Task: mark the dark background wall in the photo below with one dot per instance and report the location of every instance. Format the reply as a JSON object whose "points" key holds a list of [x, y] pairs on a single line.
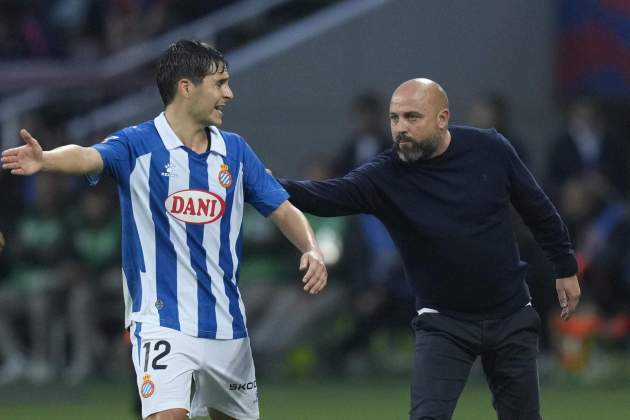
{"points": [[295, 104]]}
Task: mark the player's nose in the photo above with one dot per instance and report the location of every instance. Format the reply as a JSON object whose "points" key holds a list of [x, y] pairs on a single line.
{"points": [[228, 93]]}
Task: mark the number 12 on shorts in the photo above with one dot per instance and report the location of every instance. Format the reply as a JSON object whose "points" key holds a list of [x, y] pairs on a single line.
{"points": [[160, 350]]}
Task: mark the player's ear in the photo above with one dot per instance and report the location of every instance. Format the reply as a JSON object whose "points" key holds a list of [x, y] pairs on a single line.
{"points": [[184, 87]]}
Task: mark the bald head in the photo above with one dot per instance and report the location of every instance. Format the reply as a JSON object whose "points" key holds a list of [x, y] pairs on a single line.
{"points": [[419, 114], [425, 90]]}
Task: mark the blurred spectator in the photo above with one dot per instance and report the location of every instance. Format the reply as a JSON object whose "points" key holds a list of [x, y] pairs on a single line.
{"points": [[130, 21], [89, 29], [23, 30], [491, 110], [40, 255], [588, 145], [600, 224], [368, 138], [95, 239], [286, 316]]}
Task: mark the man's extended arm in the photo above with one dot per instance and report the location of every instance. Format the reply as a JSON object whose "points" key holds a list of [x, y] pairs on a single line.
{"points": [[296, 228], [70, 159], [351, 194]]}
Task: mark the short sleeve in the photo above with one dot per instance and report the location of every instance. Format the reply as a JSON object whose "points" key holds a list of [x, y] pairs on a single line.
{"points": [[115, 152], [261, 190]]}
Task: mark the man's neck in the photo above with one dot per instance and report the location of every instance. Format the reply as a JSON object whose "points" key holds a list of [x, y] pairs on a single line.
{"points": [[190, 133], [446, 141]]}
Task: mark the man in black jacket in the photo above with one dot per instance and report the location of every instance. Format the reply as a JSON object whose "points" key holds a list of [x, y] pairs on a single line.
{"points": [[444, 194]]}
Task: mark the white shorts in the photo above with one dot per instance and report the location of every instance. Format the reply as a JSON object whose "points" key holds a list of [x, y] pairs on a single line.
{"points": [[175, 370]]}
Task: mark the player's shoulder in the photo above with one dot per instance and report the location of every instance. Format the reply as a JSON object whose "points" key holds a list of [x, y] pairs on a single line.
{"points": [[140, 131], [133, 134], [232, 139], [235, 144]]}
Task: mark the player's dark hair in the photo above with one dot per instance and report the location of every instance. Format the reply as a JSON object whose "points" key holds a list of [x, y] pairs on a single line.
{"points": [[186, 59]]}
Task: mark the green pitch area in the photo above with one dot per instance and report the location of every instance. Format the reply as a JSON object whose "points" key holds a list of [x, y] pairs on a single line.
{"points": [[330, 400]]}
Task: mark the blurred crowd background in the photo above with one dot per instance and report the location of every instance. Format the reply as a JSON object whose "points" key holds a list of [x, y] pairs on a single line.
{"points": [[552, 76]]}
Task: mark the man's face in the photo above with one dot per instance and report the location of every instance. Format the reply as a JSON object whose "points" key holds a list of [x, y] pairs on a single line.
{"points": [[415, 126], [210, 97]]}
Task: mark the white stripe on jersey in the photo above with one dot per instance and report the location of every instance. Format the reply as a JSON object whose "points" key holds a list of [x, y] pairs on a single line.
{"points": [[127, 299], [186, 289], [235, 229], [212, 245], [140, 202]]}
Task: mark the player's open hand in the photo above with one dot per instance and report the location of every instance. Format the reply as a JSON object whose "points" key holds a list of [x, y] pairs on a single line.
{"points": [[24, 160], [316, 275], [568, 289]]}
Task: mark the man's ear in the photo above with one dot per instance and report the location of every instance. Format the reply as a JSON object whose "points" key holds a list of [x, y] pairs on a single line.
{"points": [[443, 118]]}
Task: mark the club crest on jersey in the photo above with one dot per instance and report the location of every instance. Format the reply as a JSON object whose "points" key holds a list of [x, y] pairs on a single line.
{"points": [[195, 206], [148, 387], [225, 176], [168, 170]]}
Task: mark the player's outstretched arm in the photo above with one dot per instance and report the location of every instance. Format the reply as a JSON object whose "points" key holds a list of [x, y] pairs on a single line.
{"points": [[30, 158], [296, 228]]}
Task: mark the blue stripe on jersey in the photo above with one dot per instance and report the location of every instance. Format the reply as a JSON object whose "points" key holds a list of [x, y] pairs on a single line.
{"points": [[133, 257], [227, 265], [165, 257], [206, 302], [139, 342]]}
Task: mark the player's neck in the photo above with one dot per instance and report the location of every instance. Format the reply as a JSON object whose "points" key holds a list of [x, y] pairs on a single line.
{"points": [[190, 133]]}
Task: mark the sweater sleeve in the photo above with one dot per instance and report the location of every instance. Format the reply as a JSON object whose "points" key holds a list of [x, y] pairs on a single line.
{"points": [[539, 214], [351, 194]]}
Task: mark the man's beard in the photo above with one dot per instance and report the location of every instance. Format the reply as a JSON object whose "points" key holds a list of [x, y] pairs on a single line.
{"points": [[414, 150]]}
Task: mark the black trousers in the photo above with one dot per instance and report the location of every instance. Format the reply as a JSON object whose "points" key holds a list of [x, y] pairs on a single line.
{"points": [[446, 349]]}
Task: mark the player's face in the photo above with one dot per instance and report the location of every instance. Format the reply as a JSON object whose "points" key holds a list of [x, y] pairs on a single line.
{"points": [[415, 125], [210, 97]]}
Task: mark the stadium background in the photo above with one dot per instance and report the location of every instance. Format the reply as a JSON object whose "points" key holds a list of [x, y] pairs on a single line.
{"points": [[304, 73]]}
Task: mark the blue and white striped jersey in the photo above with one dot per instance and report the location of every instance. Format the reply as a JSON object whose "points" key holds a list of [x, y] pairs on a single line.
{"points": [[181, 225]]}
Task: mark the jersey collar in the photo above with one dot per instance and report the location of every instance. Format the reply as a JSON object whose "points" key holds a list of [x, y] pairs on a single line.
{"points": [[171, 141]]}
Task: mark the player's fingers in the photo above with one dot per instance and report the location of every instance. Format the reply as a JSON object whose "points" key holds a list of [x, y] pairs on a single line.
{"points": [[9, 159], [17, 171], [28, 139], [13, 165], [314, 280], [321, 283], [318, 281], [310, 276], [303, 262], [10, 152]]}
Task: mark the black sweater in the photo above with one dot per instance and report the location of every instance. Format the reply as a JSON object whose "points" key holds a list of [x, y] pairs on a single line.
{"points": [[450, 219]]}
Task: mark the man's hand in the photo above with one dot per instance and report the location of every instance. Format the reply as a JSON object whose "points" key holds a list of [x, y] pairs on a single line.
{"points": [[2, 243], [24, 160], [568, 289], [316, 275]]}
